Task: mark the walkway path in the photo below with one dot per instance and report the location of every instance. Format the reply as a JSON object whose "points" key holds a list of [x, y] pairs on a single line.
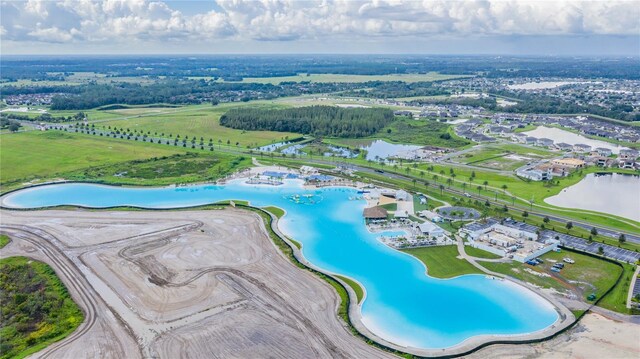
{"points": [[634, 283], [474, 260], [615, 316], [566, 316]]}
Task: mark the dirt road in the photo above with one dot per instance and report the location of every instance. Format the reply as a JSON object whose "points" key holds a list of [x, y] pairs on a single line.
{"points": [[197, 284]]}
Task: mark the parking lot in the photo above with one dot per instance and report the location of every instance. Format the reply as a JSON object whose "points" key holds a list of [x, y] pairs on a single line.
{"points": [[619, 254]]}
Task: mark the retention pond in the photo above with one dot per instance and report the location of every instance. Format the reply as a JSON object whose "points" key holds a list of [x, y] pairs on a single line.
{"points": [[612, 193]]}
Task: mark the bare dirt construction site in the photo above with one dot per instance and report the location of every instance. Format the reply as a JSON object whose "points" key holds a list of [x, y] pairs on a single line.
{"points": [[211, 284], [183, 284], [595, 336]]}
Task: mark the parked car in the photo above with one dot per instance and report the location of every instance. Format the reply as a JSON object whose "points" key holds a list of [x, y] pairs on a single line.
{"points": [[555, 269], [568, 260], [559, 265], [532, 263]]}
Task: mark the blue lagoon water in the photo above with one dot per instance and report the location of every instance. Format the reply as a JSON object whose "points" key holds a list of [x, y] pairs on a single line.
{"points": [[403, 304]]}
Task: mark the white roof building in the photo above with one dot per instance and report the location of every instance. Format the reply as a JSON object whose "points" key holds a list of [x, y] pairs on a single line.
{"points": [[401, 214], [428, 228], [402, 195], [308, 170]]}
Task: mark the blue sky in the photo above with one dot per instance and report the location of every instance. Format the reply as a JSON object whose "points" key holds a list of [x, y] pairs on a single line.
{"points": [[565, 27]]}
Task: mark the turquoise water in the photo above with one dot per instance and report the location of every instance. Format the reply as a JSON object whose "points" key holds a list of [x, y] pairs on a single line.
{"points": [[403, 305]]}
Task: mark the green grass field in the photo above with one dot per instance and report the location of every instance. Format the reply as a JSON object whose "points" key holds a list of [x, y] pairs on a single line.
{"points": [[37, 309], [200, 121], [600, 274], [517, 270], [442, 261], [479, 253], [588, 274], [478, 156], [189, 167], [416, 132], [39, 155], [79, 78]]}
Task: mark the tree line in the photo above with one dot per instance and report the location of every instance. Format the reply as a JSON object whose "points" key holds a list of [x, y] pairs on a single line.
{"points": [[182, 92], [395, 89], [315, 120], [45, 117], [533, 103]]}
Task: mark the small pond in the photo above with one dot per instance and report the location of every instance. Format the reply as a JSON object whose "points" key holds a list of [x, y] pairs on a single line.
{"points": [[381, 150], [607, 193], [559, 135]]}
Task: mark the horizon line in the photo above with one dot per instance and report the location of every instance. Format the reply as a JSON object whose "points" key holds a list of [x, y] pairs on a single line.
{"points": [[326, 54]]}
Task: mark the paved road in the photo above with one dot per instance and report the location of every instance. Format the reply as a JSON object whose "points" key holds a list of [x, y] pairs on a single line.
{"points": [[517, 208], [604, 231], [69, 274]]}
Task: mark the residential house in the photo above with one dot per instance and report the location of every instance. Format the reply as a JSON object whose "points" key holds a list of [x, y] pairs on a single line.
{"points": [[544, 142], [535, 174], [602, 151], [581, 147], [519, 137], [562, 146], [482, 138], [628, 154], [569, 162]]}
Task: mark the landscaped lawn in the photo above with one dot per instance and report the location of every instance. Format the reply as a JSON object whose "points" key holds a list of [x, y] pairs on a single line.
{"points": [[276, 211], [479, 154], [355, 286], [479, 253], [617, 299], [391, 207], [442, 261]]}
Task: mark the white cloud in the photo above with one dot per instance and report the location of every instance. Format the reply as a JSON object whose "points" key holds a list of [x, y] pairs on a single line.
{"points": [[53, 34], [273, 20]]}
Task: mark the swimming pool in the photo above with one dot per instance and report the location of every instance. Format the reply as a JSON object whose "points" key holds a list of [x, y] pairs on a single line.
{"points": [[402, 305]]}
